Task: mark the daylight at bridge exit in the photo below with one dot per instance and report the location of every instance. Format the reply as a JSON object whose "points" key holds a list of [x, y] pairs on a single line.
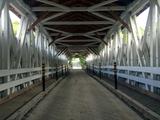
{"points": [[79, 59]]}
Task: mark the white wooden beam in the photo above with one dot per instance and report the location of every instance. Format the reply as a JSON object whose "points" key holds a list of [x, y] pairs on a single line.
{"points": [[2, 2], [90, 33], [101, 29], [93, 43], [59, 39], [52, 17], [79, 40], [92, 37], [53, 4], [55, 30], [78, 23], [101, 4], [79, 9], [103, 16], [109, 8]]}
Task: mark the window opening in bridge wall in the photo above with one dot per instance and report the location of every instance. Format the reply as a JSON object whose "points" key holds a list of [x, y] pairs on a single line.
{"points": [[89, 58], [125, 35], [15, 20], [142, 21], [2, 20]]}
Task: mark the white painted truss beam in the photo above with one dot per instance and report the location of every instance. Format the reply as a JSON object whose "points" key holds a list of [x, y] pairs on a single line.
{"points": [[79, 9], [101, 4], [52, 17], [97, 30], [2, 2], [103, 17], [92, 33], [56, 30], [53, 3], [78, 23], [79, 40]]}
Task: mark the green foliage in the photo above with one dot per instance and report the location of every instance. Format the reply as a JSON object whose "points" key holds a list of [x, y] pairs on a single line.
{"points": [[70, 61], [141, 31], [15, 25], [81, 58], [125, 36]]}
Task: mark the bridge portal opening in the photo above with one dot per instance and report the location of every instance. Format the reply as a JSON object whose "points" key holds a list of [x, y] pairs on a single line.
{"points": [[76, 63]]}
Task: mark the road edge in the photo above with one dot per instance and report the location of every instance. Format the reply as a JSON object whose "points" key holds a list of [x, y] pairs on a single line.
{"points": [[21, 112], [143, 111]]}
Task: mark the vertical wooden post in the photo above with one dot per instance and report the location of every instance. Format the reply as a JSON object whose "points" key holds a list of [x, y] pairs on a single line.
{"points": [[115, 75], [66, 70], [92, 68], [43, 76], [56, 72], [62, 69], [100, 74]]}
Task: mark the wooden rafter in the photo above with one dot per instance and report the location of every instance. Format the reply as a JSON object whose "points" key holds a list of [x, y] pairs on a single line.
{"points": [[67, 20], [120, 20], [38, 20]]}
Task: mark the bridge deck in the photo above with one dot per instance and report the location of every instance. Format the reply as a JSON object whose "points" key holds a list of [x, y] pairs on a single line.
{"points": [[79, 97], [14, 104], [146, 100]]}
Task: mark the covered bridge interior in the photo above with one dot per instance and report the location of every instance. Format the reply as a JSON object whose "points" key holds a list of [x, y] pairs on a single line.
{"points": [[116, 41]]}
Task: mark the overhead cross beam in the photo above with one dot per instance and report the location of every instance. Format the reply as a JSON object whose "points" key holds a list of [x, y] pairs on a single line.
{"points": [[116, 17], [38, 21], [93, 35], [60, 52], [77, 46], [79, 40], [88, 34], [103, 16], [78, 23], [56, 30], [97, 30], [61, 38], [120, 20], [64, 51], [53, 16], [93, 43], [98, 39], [101, 39], [101, 4], [53, 4], [91, 51], [80, 34], [79, 9], [45, 18], [95, 50]]}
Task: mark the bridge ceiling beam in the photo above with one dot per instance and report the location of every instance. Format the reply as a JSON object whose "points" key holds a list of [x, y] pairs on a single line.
{"points": [[56, 30], [97, 30], [79, 9], [91, 51], [80, 40], [99, 33], [101, 4], [103, 16], [78, 23], [53, 4], [92, 19]]}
